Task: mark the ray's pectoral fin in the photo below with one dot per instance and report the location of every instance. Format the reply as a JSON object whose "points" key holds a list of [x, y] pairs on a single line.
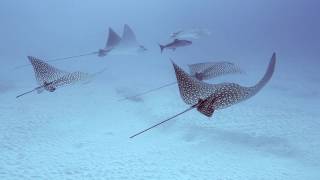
{"points": [[206, 107]]}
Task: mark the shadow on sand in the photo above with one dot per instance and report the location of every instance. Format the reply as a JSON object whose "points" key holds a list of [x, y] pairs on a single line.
{"points": [[273, 145]]}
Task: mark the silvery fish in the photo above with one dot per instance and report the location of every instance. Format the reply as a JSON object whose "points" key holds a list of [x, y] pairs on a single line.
{"points": [[175, 44]]}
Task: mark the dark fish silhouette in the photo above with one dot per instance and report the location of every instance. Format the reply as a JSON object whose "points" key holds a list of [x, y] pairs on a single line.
{"points": [[50, 78], [207, 98], [201, 71], [175, 44]]}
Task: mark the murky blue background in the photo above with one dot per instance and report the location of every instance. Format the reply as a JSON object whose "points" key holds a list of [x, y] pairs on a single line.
{"points": [[81, 132]]}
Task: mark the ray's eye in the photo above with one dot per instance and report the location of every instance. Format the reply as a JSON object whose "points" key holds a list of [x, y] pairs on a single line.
{"points": [[51, 89], [199, 76]]}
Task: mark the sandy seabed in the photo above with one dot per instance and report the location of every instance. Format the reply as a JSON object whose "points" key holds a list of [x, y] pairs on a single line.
{"points": [[82, 132]]}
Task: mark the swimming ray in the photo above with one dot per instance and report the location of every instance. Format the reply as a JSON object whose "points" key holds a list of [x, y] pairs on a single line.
{"points": [[201, 71], [50, 78], [112, 41], [207, 98]]}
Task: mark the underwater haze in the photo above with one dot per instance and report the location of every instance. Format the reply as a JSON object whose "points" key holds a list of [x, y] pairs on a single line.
{"points": [[82, 109]]}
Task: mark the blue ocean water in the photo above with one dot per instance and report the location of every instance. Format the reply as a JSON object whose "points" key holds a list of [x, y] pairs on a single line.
{"points": [[81, 131]]}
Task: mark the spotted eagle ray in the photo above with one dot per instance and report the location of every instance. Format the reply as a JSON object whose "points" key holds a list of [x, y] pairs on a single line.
{"points": [[50, 78], [112, 41], [200, 71], [207, 98]]}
